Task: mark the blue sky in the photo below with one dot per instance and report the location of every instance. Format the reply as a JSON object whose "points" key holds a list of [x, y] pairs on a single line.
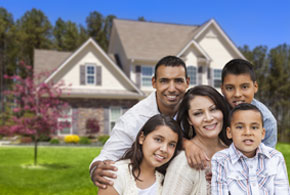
{"points": [[251, 22]]}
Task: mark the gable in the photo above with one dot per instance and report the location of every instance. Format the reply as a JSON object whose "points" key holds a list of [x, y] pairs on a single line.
{"points": [[113, 80], [217, 44]]}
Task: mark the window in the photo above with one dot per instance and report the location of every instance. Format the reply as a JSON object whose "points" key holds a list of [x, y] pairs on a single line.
{"points": [[191, 71], [66, 122], [217, 78], [115, 113], [147, 73], [90, 74]]}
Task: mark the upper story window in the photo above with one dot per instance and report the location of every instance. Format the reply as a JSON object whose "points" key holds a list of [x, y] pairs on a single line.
{"points": [[192, 74], [146, 75], [90, 74], [217, 78]]}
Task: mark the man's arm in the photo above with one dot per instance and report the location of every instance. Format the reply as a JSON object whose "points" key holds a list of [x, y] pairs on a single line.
{"points": [[195, 156], [122, 137]]}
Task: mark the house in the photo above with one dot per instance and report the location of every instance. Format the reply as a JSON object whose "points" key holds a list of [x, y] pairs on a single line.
{"points": [[104, 85]]}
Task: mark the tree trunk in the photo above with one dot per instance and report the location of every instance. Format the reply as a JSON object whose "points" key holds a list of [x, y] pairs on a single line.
{"points": [[35, 151]]}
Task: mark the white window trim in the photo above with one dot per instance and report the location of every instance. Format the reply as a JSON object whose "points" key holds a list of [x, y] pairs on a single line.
{"points": [[69, 119], [215, 78], [196, 74], [121, 110], [90, 74], [143, 76]]}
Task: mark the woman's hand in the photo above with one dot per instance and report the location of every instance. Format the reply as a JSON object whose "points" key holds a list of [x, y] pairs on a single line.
{"points": [[196, 157]]}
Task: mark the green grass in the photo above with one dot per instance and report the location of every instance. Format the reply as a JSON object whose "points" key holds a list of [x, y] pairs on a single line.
{"points": [[285, 149], [62, 170]]}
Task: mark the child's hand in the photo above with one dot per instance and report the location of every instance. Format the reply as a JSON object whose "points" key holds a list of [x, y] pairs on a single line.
{"points": [[196, 157]]}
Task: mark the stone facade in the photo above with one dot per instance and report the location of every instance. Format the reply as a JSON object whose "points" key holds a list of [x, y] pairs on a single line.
{"points": [[84, 109]]}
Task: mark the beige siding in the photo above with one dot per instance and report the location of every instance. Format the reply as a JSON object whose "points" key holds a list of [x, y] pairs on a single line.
{"points": [[70, 74]]}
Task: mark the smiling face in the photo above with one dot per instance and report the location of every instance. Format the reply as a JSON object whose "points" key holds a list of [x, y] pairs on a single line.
{"points": [[170, 84], [158, 146], [246, 131], [204, 116], [239, 89]]}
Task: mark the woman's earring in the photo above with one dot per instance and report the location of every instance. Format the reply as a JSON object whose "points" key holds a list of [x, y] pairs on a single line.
{"points": [[190, 133]]}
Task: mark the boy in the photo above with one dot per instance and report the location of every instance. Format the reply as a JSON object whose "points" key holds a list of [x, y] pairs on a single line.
{"points": [[248, 166], [239, 85]]}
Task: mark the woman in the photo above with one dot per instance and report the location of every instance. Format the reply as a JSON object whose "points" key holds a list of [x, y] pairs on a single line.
{"points": [[203, 116], [140, 169]]}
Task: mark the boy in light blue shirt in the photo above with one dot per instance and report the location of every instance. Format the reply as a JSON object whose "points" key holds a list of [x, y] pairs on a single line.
{"points": [[239, 85]]}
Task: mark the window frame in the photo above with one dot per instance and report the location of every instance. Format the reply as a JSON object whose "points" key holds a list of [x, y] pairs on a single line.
{"points": [[217, 78], [87, 74], [188, 72], [68, 118], [146, 76], [110, 116]]}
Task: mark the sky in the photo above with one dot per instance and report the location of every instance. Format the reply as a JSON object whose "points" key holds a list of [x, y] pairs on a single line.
{"points": [[246, 22]]}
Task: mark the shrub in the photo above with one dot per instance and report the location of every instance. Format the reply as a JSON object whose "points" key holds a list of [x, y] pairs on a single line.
{"points": [[92, 126], [72, 139], [44, 138], [85, 140], [54, 141], [103, 138]]}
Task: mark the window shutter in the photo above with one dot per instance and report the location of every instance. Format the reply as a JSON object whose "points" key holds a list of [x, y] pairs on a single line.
{"points": [[98, 75], [106, 121], [82, 75], [138, 75]]}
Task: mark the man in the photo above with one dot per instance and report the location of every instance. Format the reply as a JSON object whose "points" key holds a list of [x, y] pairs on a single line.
{"points": [[170, 81]]}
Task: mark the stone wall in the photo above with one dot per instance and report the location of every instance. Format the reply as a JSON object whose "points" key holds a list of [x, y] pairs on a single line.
{"points": [[84, 109]]}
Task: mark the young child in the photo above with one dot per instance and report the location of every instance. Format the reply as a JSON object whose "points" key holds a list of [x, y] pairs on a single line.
{"points": [[239, 85], [248, 166], [140, 169]]}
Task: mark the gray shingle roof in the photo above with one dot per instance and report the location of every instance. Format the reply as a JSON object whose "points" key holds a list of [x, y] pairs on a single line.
{"points": [[48, 60], [152, 41]]}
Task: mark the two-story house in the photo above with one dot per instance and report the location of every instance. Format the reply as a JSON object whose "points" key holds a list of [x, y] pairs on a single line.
{"points": [[104, 85]]}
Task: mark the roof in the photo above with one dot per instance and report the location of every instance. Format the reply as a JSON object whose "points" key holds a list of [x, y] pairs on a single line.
{"points": [[152, 41], [54, 61], [48, 60]]}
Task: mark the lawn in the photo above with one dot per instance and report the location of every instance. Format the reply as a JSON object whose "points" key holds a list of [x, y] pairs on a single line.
{"points": [[63, 170]]}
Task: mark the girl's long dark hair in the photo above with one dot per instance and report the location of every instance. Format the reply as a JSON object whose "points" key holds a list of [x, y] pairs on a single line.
{"points": [[135, 153], [218, 100]]}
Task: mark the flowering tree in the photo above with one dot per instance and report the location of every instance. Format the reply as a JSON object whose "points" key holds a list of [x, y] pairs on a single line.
{"points": [[36, 106]]}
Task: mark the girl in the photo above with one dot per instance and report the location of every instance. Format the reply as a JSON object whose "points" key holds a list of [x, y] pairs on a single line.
{"points": [[141, 169]]}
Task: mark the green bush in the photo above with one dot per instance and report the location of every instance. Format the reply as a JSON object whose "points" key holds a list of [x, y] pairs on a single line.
{"points": [[54, 141], [85, 140], [103, 138], [44, 138]]}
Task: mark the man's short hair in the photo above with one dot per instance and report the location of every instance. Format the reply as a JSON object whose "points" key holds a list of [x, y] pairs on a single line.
{"points": [[170, 61], [238, 67], [244, 106]]}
